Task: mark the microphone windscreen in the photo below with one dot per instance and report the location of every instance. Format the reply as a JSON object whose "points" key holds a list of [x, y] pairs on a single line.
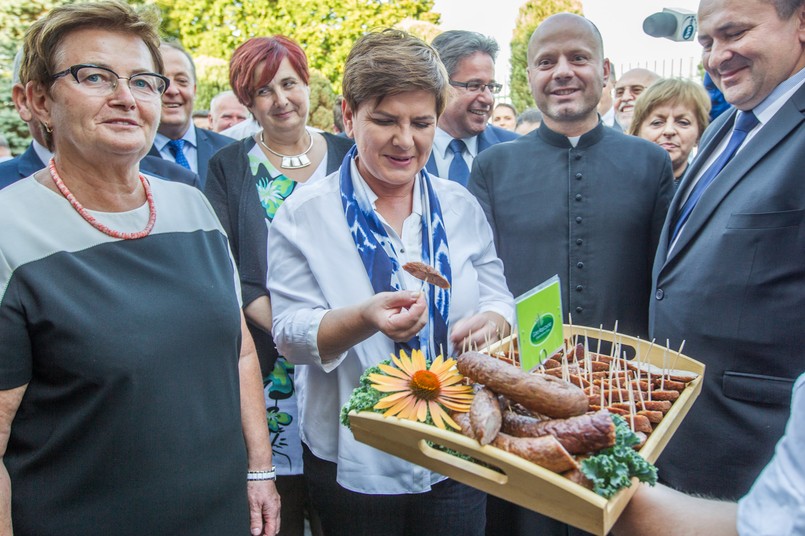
{"points": [[660, 25]]}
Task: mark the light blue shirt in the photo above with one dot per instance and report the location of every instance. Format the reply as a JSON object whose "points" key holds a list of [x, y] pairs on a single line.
{"points": [[190, 148]]}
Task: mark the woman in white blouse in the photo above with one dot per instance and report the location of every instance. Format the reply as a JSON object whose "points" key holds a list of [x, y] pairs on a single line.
{"points": [[343, 304]]}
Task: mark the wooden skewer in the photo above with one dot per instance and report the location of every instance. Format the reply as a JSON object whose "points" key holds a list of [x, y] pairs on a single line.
{"points": [[600, 336], [617, 364], [640, 391], [570, 327], [631, 405], [681, 347], [664, 364], [587, 361], [648, 374], [601, 390]]}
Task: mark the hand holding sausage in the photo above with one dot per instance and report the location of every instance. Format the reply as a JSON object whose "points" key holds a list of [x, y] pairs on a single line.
{"points": [[398, 315]]}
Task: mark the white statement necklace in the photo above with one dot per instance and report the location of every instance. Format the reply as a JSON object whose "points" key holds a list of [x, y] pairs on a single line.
{"points": [[290, 162]]}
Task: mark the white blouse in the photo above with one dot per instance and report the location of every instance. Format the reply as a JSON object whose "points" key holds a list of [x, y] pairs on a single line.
{"points": [[315, 267]]}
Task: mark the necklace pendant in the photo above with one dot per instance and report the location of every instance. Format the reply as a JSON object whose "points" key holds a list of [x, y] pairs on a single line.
{"points": [[295, 162]]}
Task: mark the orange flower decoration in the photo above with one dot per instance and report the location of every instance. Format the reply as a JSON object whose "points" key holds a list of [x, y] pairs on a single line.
{"points": [[418, 390]]}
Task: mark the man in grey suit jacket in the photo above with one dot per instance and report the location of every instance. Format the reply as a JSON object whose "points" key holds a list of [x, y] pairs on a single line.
{"points": [[730, 279], [469, 58], [178, 139]]}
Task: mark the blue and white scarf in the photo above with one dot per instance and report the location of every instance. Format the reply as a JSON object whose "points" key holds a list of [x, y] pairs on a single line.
{"points": [[381, 262]]}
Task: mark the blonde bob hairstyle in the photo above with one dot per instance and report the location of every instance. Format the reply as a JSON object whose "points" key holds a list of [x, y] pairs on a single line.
{"points": [[390, 62], [672, 91]]}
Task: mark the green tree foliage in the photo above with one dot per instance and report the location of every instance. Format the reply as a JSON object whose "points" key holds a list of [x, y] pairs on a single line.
{"points": [[11, 126], [322, 100], [213, 78], [531, 14], [326, 29], [15, 18], [212, 29]]}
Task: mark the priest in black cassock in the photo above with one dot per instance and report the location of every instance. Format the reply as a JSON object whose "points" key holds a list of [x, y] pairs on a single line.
{"points": [[574, 198]]}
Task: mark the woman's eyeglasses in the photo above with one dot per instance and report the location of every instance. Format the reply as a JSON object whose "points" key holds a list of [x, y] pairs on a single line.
{"points": [[103, 82]]}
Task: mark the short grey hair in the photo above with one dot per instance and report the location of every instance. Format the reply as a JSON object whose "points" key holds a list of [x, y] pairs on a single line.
{"points": [[216, 99], [455, 45]]}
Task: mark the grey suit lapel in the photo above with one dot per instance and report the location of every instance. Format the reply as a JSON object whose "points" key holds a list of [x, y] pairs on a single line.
{"points": [[772, 134], [707, 146]]}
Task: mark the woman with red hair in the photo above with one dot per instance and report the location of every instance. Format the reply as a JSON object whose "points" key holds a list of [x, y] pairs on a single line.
{"points": [[247, 182]]}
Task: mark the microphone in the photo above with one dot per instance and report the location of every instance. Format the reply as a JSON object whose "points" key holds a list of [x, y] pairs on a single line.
{"points": [[675, 24]]}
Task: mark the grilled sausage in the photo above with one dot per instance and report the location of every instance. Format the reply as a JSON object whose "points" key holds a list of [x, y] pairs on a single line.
{"points": [[545, 395], [585, 433]]}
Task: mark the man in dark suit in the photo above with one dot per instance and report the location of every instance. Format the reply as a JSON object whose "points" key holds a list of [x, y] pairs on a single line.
{"points": [[30, 162], [463, 131], [574, 198], [729, 276], [178, 139], [37, 154]]}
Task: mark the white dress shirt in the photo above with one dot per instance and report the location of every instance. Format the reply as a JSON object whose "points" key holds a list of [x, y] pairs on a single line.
{"points": [[315, 267]]}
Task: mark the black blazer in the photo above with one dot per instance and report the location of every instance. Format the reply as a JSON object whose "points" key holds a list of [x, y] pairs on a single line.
{"points": [[733, 288]]}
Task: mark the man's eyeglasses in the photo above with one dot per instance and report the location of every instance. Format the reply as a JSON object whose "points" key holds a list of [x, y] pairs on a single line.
{"points": [[102, 81], [493, 87]]}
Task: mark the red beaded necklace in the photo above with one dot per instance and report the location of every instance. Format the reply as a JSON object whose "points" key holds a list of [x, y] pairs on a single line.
{"points": [[152, 211]]}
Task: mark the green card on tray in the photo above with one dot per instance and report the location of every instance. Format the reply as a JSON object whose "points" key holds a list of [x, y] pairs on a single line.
{"points": [[539, 323]]}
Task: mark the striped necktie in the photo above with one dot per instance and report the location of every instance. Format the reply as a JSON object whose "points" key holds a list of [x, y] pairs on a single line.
{"points": [[745, 122], [176, 148]]}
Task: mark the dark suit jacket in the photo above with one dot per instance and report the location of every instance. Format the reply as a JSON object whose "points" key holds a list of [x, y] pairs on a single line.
{"points": [[733, 288], [29, 163], [208, 143], [490, 136]]}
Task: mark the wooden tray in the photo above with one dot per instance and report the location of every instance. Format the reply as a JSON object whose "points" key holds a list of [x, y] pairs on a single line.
{"points": [[518, 480]]}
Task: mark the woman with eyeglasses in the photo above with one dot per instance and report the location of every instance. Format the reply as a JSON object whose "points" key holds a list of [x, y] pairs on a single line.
{"points": [[130, 393], [342, 302]]}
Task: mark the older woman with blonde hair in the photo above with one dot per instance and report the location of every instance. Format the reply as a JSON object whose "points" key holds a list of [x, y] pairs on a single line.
{"points": [[342, 302], [672, 113], [130, 393]]}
